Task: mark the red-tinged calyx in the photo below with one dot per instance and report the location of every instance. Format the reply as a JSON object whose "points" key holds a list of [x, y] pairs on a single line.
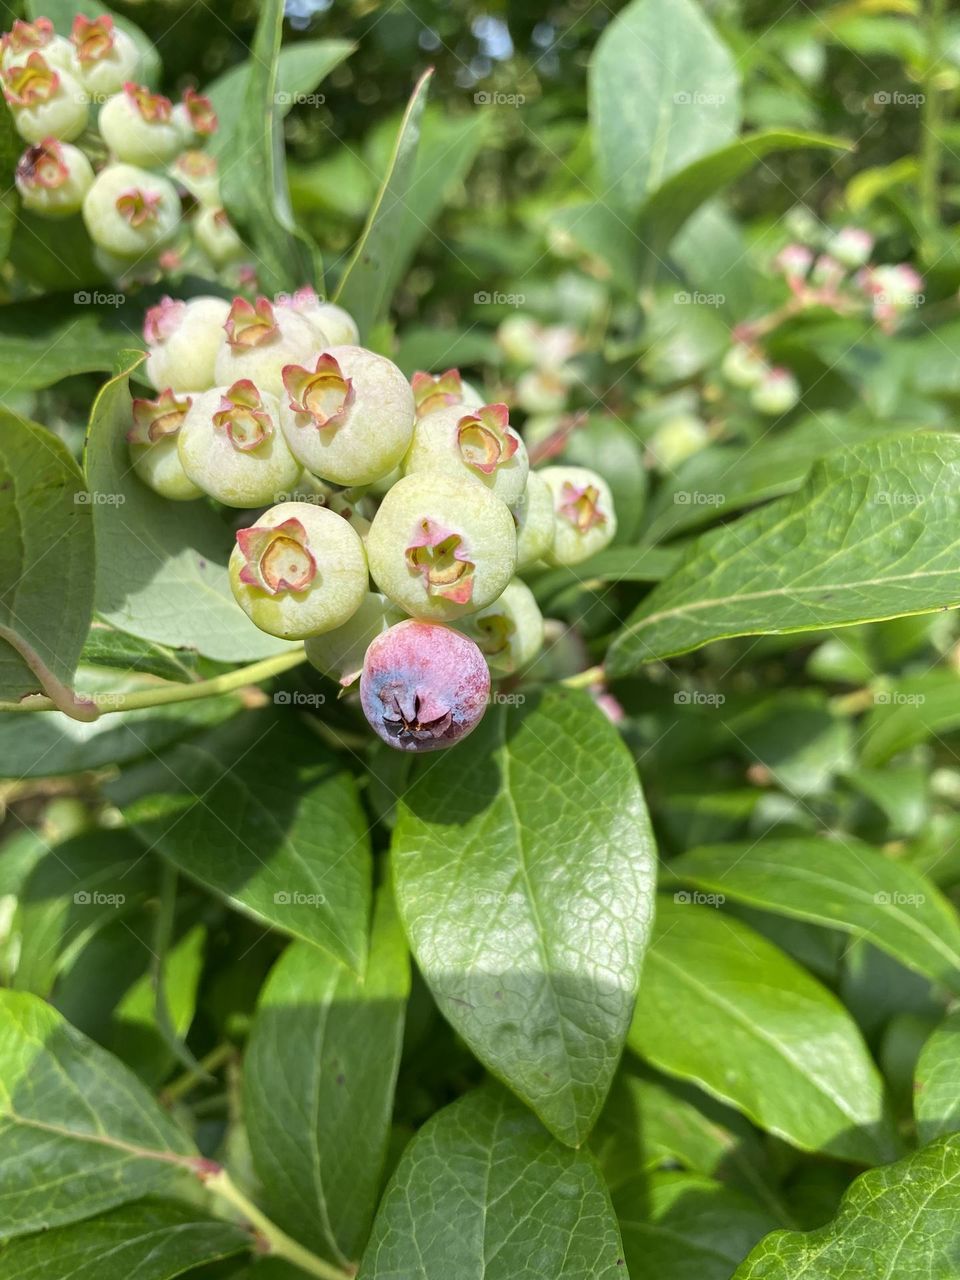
{"points": [[436, 392], [42, 165], [203, 118], [162, 320], [154, 108], [139, 207], [250, 324], [485, 438], [277, 559], [25, 37], [92, 38], [323, 395], [581, 507], [158, 419], [34, 81], [438, 554], [196, 164], [242, 416]]}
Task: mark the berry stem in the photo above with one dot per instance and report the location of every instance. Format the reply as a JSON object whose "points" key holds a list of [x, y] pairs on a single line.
{"points": [[583, 679], [168, 692]]}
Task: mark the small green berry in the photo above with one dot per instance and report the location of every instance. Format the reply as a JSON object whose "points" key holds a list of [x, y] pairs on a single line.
{"points": [[153, 446], [852, 246], [334, 326], [535, 521], [743, 366], [347, 415], [543, 390], [777, 393], [106, 57], [46, 102], [139, 128], [586, 521], [509, 632], [52, 178], [441, 546], [259, 341], [439, 391], [479, 443], [519, 338], [183, 338], [25, 38], [230, 445], [217, 236], [197, 173], [130, 212], [195, 117], [677, 439], [300, 571], [339, 653]]}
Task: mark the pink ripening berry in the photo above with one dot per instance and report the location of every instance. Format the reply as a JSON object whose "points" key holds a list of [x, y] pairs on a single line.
{"points": [[423, 686]]}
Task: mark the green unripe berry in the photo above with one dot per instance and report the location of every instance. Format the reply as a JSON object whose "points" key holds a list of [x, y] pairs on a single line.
{"points": [[519, 337], [334, 326], [153, 446], [197, 173], [676, 440], [586, 521], [347, 414], [230, 445], [299, 572], [194, 117], [743, 366], [443, 390], [259, 340], [46, 102], [52, 178], [217, 236], [479, 443], [106, 57], [852, 246], [441, 547], [509, 632], [139, 128], [777, 393], [339, 654], [130, 212], [535, 521], [183, 338], [543, 390], [25, 38]]}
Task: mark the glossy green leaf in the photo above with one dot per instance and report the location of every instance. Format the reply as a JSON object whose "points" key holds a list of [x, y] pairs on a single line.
{"points": [[162, 571], [483, 1192], [319, 1076], [616, 564], [78, 1132], [936, 1098], [524, 871], [909, 711], [368, 281], [872, 534], [722, 1006], [149, 1240], [899, 1222], [46, 562], [845, 885], [663, 91], [261, 814], [685, 1226]]}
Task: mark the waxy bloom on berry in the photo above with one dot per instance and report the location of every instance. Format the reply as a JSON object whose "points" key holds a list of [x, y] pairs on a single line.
{"points": [[231, 446], [585, 518], [153, 445], [46, 102], [53, 177], [183, 338], [535, 520], [258, 341], [334, 327], [300, 571], [509, 632], [479, 443], [129, 212], [423, 686], [441, 546], [139, 128], [347, 415], [339, 653], [441, 390], [107, 58]]}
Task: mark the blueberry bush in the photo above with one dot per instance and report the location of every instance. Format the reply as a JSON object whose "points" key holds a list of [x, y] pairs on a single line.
{"points": [[479, 660]]}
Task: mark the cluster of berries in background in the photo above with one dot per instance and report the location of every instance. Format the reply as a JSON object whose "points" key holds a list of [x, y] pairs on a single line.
{"points": [[100, 143], [398, 513]]}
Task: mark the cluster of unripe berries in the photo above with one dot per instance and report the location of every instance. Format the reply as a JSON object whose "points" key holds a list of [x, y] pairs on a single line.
{"points": [[418, 486], [102, 144]]}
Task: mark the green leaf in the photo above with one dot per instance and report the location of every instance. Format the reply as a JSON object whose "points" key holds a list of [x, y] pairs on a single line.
{"points": [[685, 1226], [484, 1191], [151, 1240], [663, 91], [78, 1132], [524, 871], [46, 339], [722, 1006], [936, 1098], [872, 534], [162, 566], [371, 274], [46, 562], [616, 564], [253, 173], [899, 1221], [909, 711], [263, 815], [319, 1076], [847, 886]]}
